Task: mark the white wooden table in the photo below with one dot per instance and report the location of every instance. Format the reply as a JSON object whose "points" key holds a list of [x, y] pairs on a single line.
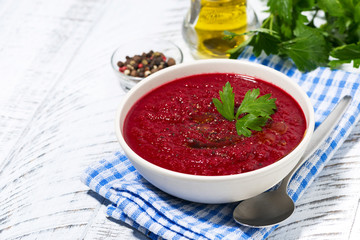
{"points": [[58, 97]]}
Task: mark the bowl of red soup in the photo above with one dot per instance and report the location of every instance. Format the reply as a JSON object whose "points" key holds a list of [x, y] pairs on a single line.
{"points": [[215, 131]]}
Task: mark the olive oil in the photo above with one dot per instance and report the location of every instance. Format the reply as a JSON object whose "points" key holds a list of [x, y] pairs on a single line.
{"points": [[206, 22]]}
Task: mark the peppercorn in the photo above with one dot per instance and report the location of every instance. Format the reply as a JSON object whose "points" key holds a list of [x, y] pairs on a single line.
{"points": [[133, 73], [145, 64], [127, 72], [147, 73], [123, 68], [171, 61]]}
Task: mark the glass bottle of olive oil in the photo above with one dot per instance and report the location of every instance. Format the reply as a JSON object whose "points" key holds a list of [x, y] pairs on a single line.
{"points": [[205, 23]]}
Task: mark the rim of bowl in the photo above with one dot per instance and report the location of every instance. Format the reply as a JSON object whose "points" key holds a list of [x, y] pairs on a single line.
{"points": [[133, 156], [113, 61]]}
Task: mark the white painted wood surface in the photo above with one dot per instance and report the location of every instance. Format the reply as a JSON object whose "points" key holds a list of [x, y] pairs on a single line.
{"points": [[58, 97]]}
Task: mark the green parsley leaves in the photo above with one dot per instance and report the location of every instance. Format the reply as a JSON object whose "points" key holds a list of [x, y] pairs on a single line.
{"points": [[254, 111], [226, 108], [293, 30]]}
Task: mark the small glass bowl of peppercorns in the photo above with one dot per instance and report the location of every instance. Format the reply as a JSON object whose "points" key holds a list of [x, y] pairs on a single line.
{"points": [[135, 60]]}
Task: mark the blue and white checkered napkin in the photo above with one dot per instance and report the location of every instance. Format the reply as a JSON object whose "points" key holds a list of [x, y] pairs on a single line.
{"points": [[159, 215]]}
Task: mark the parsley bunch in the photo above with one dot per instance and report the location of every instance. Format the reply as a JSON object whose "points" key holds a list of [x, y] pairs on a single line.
{"points": [[255, 111], [290, 31]]}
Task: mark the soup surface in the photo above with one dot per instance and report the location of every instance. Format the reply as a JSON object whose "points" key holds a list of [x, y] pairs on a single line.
{"points": [[177, 127]]}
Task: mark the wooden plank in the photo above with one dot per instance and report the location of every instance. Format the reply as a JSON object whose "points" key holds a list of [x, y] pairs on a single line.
{"points": [[39, 41]]}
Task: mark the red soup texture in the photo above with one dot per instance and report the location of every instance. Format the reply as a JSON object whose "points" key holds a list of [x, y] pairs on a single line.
{"points": [[176, 126]]}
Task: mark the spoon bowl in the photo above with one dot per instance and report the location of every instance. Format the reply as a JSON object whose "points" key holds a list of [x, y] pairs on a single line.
{"points": [[272, 207], [266, 209]]}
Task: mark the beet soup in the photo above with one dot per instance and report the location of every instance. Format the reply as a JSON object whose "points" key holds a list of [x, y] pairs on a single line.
{"points": [[176, 126]]}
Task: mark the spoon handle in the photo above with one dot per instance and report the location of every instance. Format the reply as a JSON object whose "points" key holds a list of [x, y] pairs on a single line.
{"points": [[321, 133]]}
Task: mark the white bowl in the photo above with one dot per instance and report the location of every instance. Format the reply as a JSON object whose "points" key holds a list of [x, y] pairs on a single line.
{"points": [[216, 189]]}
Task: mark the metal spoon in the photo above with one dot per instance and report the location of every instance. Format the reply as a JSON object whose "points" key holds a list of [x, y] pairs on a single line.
{"points": [[273, 207]]}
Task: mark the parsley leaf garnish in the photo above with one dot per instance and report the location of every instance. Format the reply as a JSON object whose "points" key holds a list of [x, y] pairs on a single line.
{"points": [[226, 108], [250, 121], [262, 106], [254, 110]]}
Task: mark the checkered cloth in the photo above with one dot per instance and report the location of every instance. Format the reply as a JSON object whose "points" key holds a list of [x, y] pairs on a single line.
{"points": [[160, 216]]}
